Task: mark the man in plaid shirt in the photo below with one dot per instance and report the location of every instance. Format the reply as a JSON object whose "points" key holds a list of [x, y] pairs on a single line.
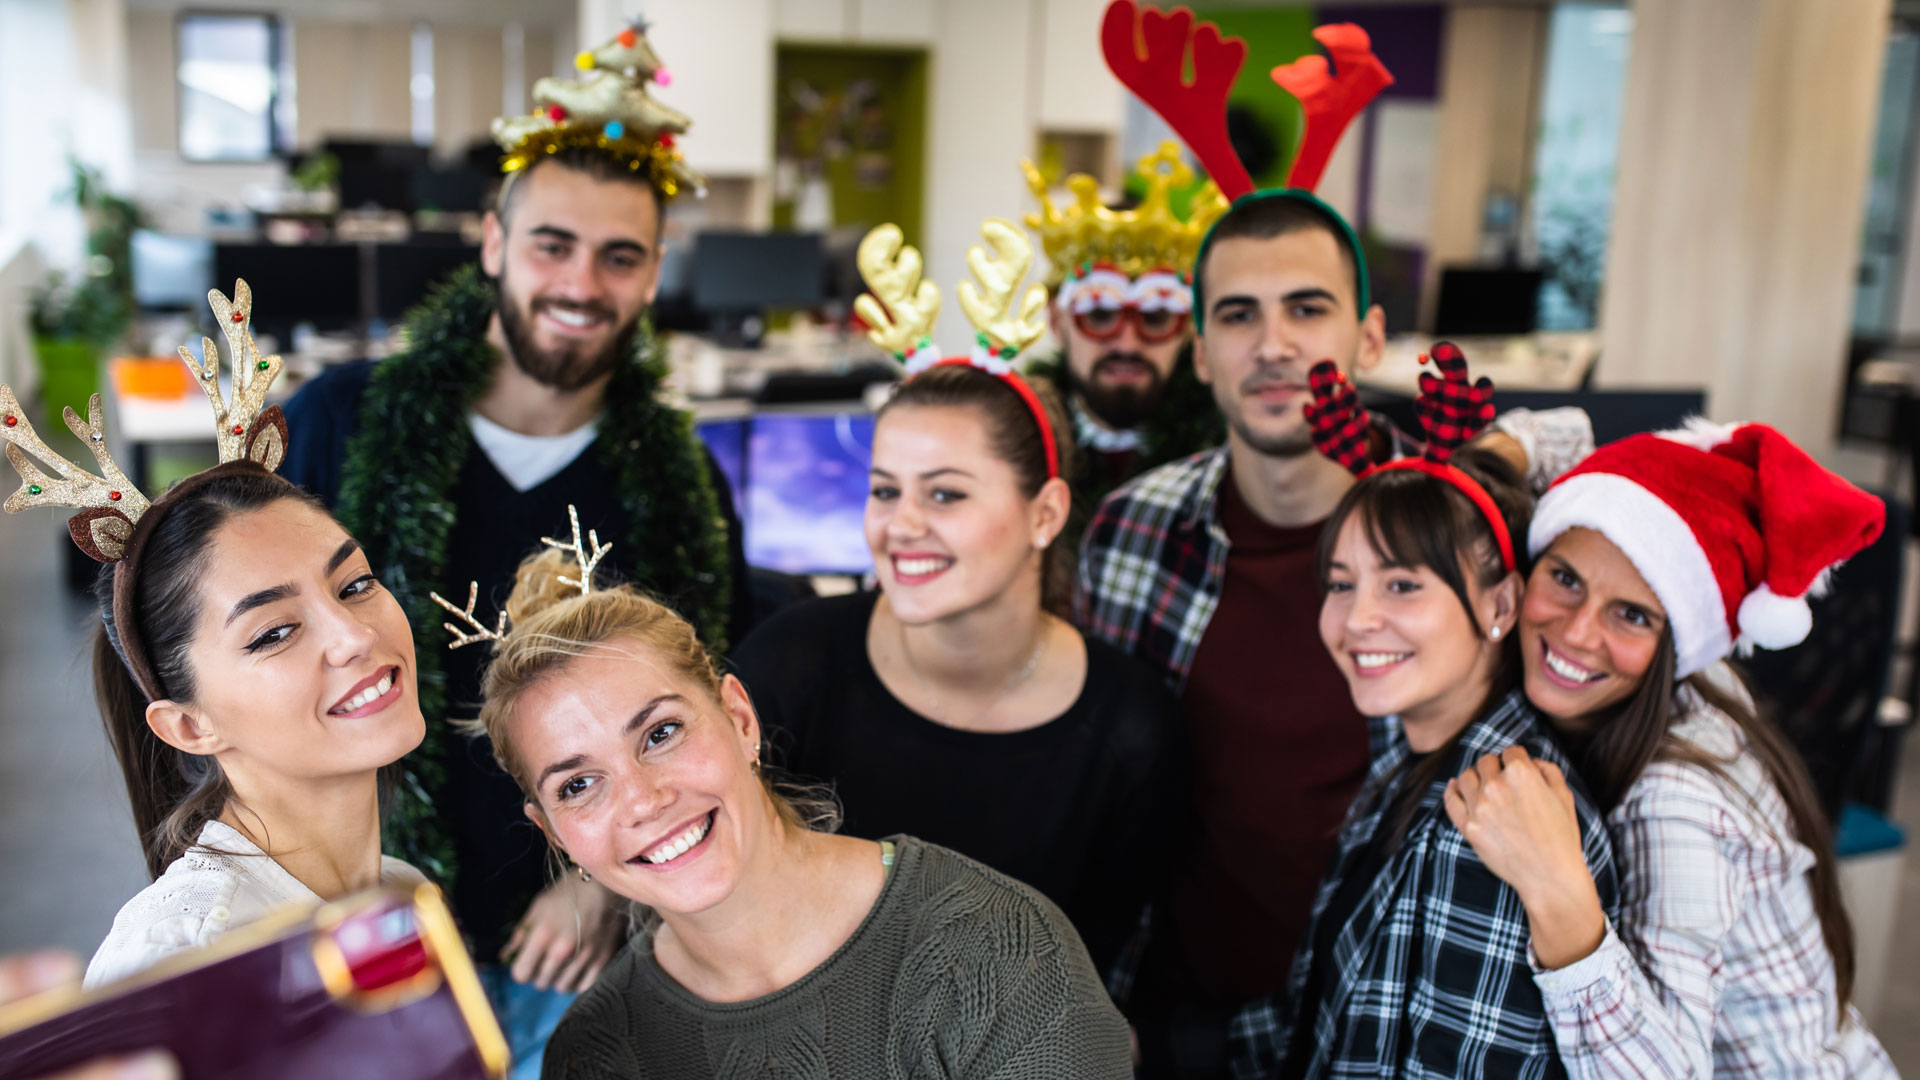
{"points": [[1206, 568]]}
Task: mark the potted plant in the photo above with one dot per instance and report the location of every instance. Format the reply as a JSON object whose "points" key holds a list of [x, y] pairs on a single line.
{"points": [[76, 320]]}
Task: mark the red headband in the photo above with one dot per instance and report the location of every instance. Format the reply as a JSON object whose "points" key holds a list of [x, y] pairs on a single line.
{"points": [[1039, 411], [1475, 494]]}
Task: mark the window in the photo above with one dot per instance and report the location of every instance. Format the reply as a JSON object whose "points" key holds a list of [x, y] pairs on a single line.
{"points": [[1579, 140], [230, 78]]}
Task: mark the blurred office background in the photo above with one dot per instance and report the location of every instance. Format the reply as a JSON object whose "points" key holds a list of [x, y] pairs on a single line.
{"points": [[1648, 208]]}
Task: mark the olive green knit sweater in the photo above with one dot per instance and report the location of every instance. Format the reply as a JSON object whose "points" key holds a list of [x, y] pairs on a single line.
{"points": [[956, 972]]}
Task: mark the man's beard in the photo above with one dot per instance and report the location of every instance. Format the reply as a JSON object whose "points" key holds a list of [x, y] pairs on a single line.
{"points": [[1120, 408], [569, 367]]}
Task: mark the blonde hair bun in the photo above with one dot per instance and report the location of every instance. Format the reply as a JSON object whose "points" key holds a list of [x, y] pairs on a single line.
{"points": [[537, 584]]}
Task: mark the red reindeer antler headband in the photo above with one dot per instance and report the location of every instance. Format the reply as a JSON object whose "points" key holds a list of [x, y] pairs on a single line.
{"points": [[1148, 52], [1451, 409]]}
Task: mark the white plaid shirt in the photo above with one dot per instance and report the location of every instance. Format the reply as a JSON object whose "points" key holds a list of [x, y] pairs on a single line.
{"points": [[1715, 965]]}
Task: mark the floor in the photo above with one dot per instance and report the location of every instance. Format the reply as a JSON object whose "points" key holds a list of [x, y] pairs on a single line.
{"points": [[67, 836]]}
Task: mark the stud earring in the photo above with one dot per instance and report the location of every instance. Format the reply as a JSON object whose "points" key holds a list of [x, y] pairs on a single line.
{"points": [[582, 871], [1041, 541], [1494, 634]]}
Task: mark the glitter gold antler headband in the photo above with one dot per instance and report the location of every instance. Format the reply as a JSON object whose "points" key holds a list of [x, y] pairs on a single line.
{"points": [[109, 503], [901, 309], [587, 554]]}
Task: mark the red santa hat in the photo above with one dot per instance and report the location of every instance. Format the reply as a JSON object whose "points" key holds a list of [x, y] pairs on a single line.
{"points": [[1731, 526]]}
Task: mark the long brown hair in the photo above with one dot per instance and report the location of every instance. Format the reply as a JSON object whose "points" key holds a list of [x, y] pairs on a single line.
{"points": [[1015, 438], [1612, 752], [173, 793], [1414, 519]]}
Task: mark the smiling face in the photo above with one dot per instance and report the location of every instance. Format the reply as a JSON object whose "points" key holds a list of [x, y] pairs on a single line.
{"points": [[303, 664], [947, 522], [1402, 639], [577, 261], [1589, 628], [1275, 307], [642, 778]]}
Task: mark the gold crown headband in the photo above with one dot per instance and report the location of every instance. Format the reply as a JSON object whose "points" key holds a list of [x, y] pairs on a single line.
{"points": [[1085, 234], [587, 554], [110, 506], [608, 109]]}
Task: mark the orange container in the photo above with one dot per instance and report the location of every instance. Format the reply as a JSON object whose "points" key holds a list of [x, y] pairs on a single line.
{"points": [[163, 377]]}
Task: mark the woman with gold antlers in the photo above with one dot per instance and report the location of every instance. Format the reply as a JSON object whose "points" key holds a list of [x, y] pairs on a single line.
{"points": [[252, 674], [956, 704], [771, 945]]}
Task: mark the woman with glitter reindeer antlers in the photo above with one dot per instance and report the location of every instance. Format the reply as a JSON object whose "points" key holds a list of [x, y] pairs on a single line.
{"points": [[252, 674], [769, 946], [956, 703]]}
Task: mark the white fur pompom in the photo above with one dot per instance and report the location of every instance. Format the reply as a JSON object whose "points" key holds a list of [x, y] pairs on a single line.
{"points": [[1772, 621]]}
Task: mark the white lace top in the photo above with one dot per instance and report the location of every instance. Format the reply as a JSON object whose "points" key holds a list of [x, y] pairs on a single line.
{"points": [[223, 882]]}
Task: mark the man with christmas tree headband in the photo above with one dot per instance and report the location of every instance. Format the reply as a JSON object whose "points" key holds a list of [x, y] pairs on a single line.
{"points": [[1122, 315], [528, 384]]}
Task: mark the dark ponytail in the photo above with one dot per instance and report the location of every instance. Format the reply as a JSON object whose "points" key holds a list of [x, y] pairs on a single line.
{"points": [[173, 794], [1016, 440]]}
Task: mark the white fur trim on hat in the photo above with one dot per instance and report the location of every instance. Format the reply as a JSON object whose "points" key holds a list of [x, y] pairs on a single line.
{"points": [[1772, 621], [1659, 543]]}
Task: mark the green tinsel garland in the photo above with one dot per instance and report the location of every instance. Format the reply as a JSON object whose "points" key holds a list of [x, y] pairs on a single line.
{"points": [[1187, 422], [401, 467]]}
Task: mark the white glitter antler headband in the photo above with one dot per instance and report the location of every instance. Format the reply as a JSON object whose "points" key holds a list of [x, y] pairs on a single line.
{"points": [[587, 554]]}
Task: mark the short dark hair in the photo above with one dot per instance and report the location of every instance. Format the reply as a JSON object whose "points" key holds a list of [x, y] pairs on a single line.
{"points": [[587, 161], [1267, 214]]}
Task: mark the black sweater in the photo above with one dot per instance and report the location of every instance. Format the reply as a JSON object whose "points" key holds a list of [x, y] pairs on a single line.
{"points": [[1081, 807]]}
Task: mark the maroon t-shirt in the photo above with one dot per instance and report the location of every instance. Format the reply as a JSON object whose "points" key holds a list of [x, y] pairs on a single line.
{"points": [[1279, 752]]}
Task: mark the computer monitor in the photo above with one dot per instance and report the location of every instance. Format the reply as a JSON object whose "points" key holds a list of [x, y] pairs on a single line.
{"points": [[1481, 301], [171, 273], [727, 441], [403, 274], [754, 271], [376, 173], [296, 283], [806, 492]]}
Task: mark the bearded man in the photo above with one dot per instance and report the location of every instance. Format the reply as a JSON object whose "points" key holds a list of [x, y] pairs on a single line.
{"points": [[527, 385]]}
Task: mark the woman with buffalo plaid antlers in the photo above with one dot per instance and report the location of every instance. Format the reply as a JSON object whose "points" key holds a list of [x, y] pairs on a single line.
{"points": [[1415, 959]]}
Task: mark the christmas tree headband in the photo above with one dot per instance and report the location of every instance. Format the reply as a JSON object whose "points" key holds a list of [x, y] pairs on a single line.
{"points": [[1148, 52], [1451, 409], [609, 110], [900, 308], [115, 518]]}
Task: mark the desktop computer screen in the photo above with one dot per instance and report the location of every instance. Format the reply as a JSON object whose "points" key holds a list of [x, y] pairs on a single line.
{"points": [[172, 273], [799, 483], [295, 283], [753, 271], [403, 274]]}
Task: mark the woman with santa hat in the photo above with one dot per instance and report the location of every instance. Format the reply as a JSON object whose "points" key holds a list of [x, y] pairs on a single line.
{"points": [[1655, 559]]}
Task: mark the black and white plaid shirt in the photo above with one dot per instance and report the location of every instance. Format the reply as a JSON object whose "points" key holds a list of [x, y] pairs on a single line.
{"points": [[1430, 975]]}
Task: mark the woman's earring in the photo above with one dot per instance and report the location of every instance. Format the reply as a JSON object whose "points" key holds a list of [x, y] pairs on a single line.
{"points": [[1494, 634], [756, 759], [582, 871], [1041, 541]]}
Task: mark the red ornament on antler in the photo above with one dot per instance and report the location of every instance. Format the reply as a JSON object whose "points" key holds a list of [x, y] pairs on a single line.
{"points": [[1330, 101], [1197, 111]]}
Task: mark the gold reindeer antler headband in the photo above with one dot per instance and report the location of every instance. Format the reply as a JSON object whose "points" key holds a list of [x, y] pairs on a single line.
{"points": [[110, 506], [900, 308], [587, 554]]}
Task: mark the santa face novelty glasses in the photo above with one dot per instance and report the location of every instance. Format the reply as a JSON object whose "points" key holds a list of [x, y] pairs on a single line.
{"points": [[1102, 301]]}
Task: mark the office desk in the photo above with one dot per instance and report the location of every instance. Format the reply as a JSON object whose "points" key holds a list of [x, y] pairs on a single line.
{"points": [[1557, 361]]}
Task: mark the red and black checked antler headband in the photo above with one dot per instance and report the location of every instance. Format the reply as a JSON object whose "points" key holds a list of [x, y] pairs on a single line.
{"points": [[1451, 409]]}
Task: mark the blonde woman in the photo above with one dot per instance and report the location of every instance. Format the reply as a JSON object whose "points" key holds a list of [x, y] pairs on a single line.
{"points": [[772, 945]]}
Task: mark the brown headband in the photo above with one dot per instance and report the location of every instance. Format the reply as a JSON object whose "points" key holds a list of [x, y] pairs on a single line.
{"points": [[133, 650]]}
